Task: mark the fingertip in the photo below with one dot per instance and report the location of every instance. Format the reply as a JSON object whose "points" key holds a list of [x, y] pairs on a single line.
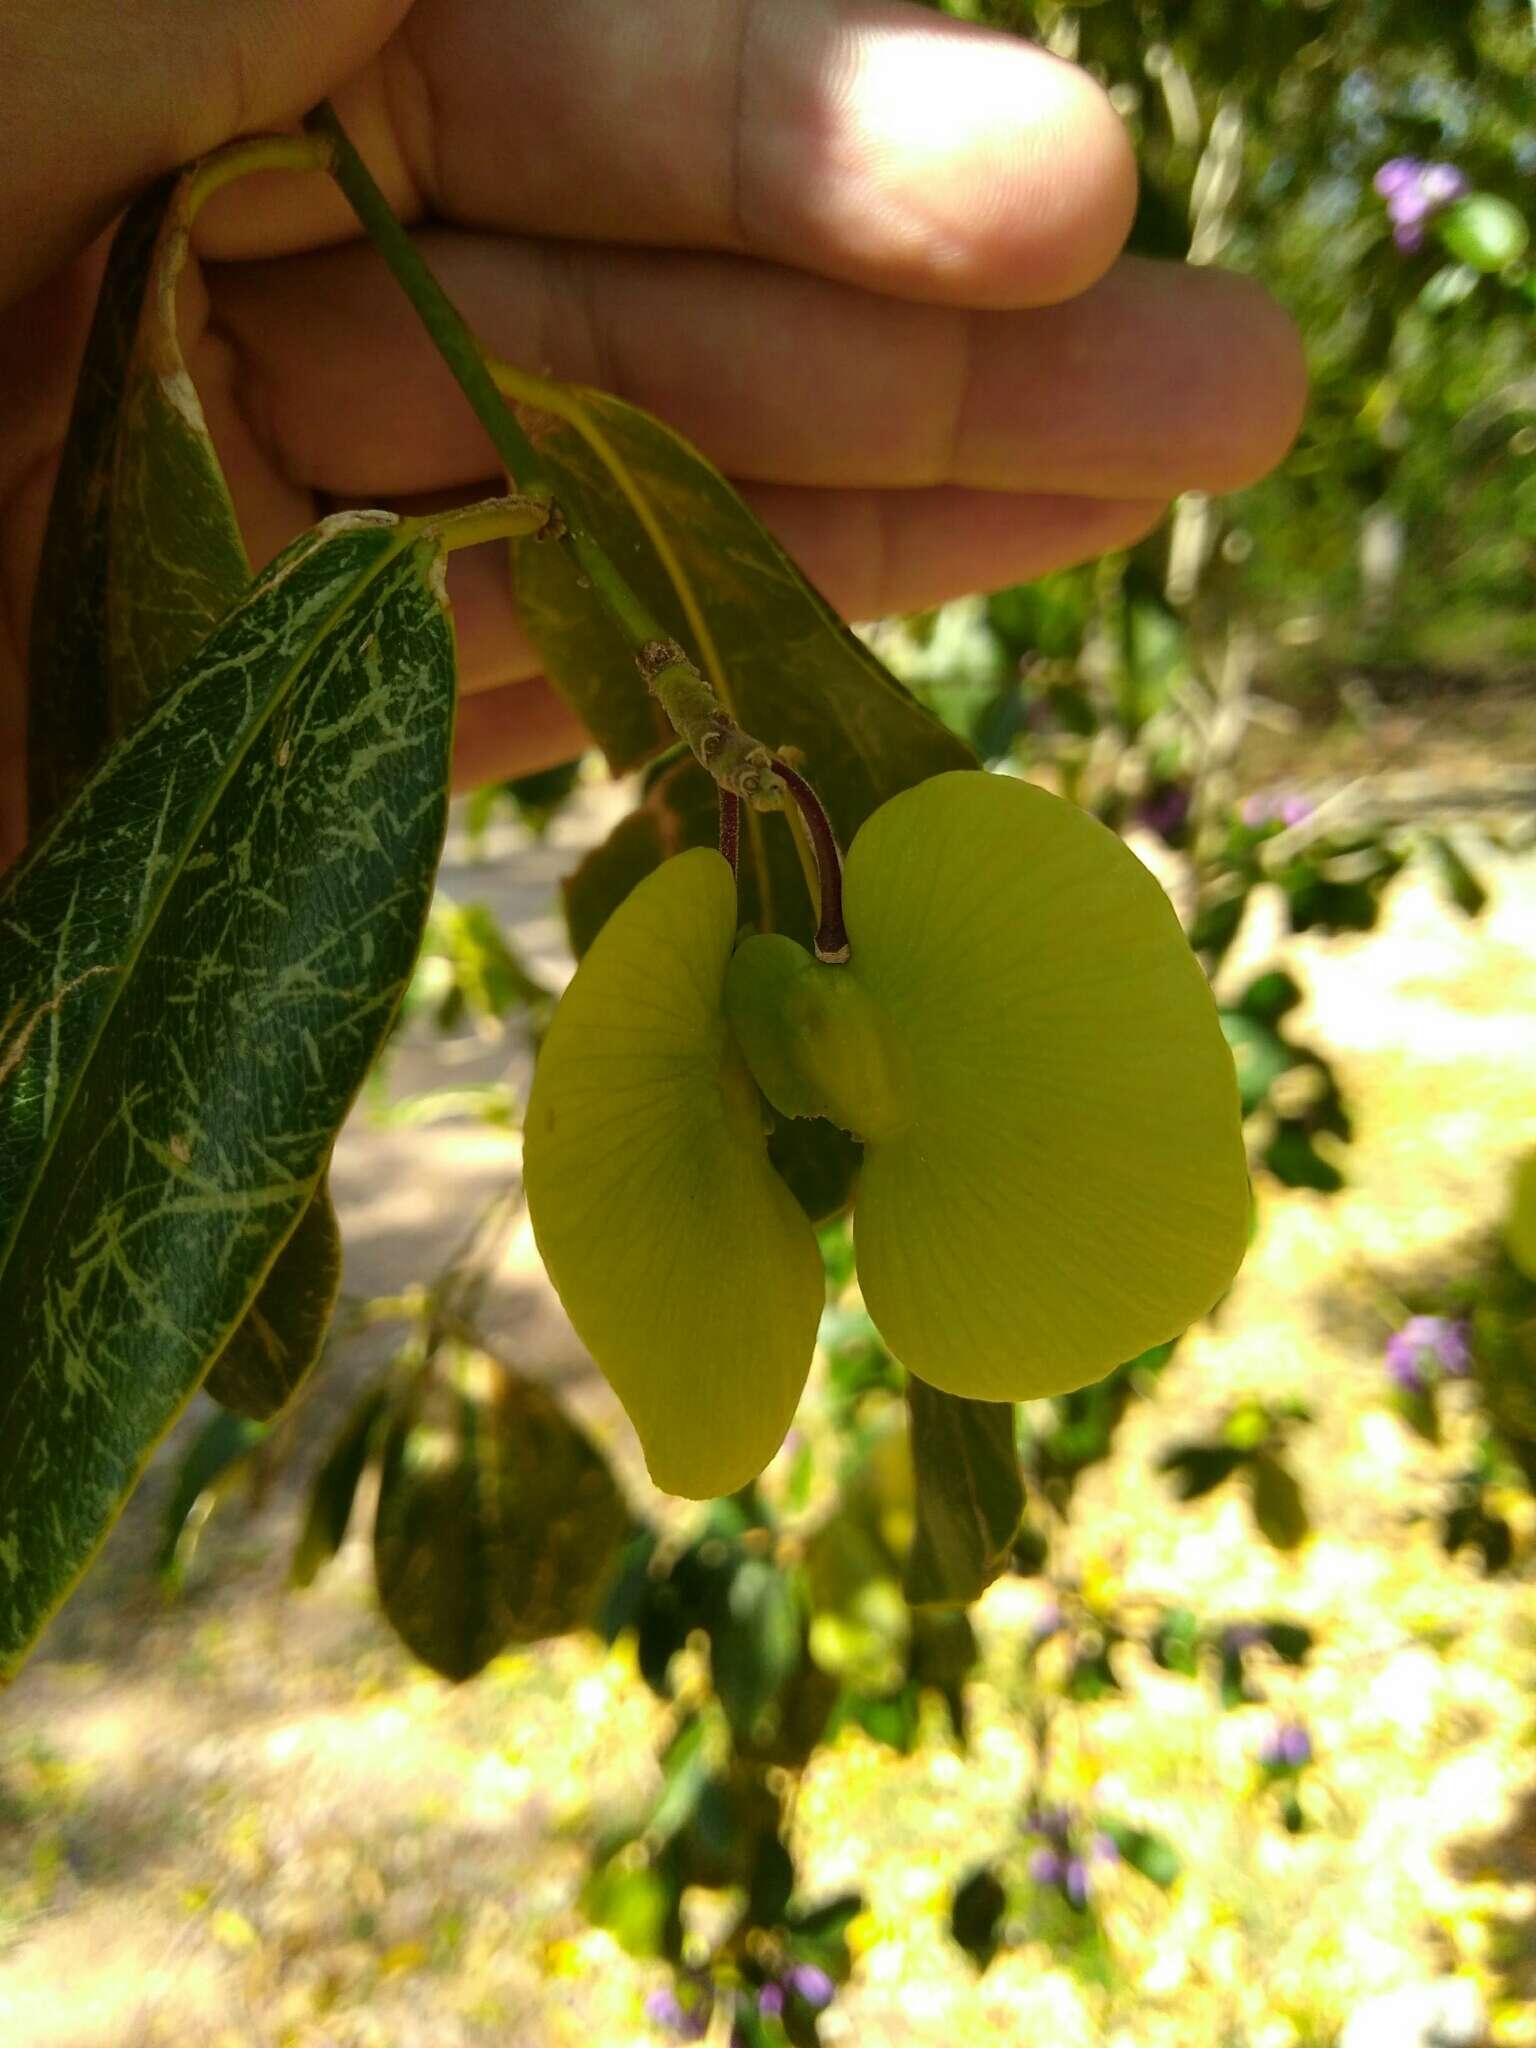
{"points": [[1274, 382], [938, 160], [1075, 191]]}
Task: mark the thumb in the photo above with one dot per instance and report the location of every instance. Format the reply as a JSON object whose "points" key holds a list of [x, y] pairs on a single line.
{"points": [[133, 87]]}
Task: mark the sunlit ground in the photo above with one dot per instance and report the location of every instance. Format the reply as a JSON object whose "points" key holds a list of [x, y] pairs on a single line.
{"points": [[248, 1819]]}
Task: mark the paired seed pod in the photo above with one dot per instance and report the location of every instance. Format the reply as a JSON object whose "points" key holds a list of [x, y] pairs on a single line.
{"points": [[1053, 1178]]}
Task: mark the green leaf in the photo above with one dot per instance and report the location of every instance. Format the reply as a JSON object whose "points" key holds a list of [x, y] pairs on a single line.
{"points": [[636, 1903], [681, 1258], [142, 558], [1175, 1643], [276, 1345], [1484, 231], [756, 1643], [970, 1494], [176, 562], [498, 1522], [201, 959], [69, 711], [1290, 1641], [216, 1454], [1278, 1507], [1198, 1469], [976, 1916], [1260, 1055], [1145, 1852], [1270, 996], [1455, 876], [335, 1489], [780, 659], [1296, 1162], [488, 974], [142, 555]]}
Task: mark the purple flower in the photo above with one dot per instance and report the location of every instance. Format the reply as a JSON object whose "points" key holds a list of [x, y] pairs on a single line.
{"points": [[811, 1984], [1286, 1748], [770, 2000], [1103, 1848], [1425, 1349], [1046, 1866], [1414, 192], [1074, 1882], [1275, 807], [665, 2009]]}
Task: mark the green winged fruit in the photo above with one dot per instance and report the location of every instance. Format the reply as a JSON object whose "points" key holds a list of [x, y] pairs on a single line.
{"points": [[1053, 1175]]}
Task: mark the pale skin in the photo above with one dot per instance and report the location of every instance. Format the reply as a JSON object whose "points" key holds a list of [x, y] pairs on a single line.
{"points": [[867, 258]]}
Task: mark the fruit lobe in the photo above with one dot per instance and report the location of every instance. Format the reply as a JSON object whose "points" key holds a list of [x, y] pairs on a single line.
{"points": [[684, 1263]]}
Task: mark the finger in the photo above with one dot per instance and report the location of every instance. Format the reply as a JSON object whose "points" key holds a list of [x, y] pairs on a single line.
{"points": [[882, 144], [95, 104], [870, 552], [515, 730], [1160, 378]]}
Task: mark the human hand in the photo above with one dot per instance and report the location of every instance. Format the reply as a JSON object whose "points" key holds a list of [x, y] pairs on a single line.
{"points": [[866, 257]]}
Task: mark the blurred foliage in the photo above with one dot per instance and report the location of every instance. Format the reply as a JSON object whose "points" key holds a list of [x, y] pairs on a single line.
{"points": [[1258, 131]]}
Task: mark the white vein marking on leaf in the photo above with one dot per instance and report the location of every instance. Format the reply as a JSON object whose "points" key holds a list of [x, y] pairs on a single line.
{"points": [[13, 1049]]}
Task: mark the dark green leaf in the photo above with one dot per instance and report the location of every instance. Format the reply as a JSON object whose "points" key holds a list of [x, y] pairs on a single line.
{"points": [[1260, 1055], [1198, 1469], [216, 1453], [1278, 1507], [1269, 997], [755, 1643], [976, 1916], [177, 562], [783, 663], [277, 1343], [498, 1522], [1236, 1691], [970, 1494], [69, 713], [1456, 878], [1291, 1643], [335, 1489], [201, 958], [1296, 1162], [685, 1776]]}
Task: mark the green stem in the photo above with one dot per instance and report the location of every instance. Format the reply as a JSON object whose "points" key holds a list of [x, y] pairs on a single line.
{"points": [[736, 760], [450, 333]]}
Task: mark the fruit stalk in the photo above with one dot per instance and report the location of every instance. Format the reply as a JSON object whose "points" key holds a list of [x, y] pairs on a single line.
{"points": [[831, 932], [730, 827]]}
